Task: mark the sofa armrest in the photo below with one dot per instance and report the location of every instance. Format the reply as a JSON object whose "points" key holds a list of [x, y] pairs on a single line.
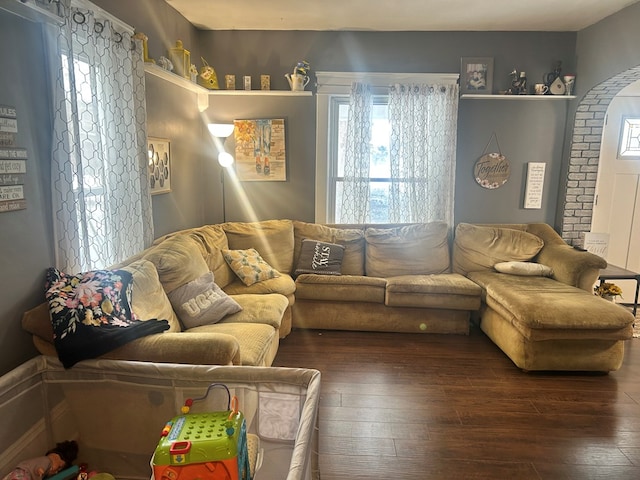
{"points": [[573, 267]]}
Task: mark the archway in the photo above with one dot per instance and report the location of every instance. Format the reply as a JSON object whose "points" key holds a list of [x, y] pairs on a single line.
{"points": [[584, 157]]}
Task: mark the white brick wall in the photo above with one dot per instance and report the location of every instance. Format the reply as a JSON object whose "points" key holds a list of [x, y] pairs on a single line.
{"points": [[585, 155]]}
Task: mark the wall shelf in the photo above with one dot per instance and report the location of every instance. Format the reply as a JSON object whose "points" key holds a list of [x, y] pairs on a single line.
{"points": [[473, 96], [204, 93]]}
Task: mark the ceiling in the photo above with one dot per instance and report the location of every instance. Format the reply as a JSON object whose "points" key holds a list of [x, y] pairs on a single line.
{"points": [[399, 15]]}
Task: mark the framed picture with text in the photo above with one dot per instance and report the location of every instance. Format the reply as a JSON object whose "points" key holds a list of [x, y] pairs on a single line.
{"points": [[476, 75]]}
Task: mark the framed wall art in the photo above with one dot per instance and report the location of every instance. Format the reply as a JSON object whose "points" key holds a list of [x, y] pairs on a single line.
{"points": [[476, 75], [159, 165], [260, 150]]}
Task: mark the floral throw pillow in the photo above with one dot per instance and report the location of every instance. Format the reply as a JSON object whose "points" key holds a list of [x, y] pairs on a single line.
{"points": [[91, 313], [249, 266]]}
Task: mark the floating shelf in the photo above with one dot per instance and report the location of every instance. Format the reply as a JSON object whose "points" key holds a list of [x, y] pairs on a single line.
{"points": [[204, 93], [474, 96]]}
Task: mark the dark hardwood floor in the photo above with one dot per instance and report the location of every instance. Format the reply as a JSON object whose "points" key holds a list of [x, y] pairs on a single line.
{"points": [[405, 406]]}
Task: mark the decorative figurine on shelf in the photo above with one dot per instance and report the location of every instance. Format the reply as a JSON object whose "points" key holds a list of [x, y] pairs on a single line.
{"points": [[193, 73], [145, 47], [165, 63], [554, 81], [518, 83], [55, 460], [550, 77], [299, 78], [208, 78], [181, 59]]}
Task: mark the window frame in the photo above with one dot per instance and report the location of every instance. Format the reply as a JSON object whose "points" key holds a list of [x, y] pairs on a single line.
{"points": [[333, 86]]}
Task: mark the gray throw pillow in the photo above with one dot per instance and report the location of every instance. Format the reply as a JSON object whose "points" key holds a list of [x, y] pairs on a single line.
{"points": [[202, 302], [320, 258]]}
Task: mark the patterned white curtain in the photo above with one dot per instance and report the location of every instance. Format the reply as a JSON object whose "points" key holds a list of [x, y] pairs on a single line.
{"points": [[351, 207], [423, 121], [100, 184]]}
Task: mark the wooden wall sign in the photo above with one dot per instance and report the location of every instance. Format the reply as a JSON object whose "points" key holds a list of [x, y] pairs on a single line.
{"points": [[13, 163], [492, 170]]}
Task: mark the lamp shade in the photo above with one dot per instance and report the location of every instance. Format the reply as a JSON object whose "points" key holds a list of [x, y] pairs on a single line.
{"points": [[221, 130], [225, 159]]}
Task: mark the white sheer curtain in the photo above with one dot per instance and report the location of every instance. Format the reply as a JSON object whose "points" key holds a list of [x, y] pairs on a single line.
{"points": [[423, 121], [100, 185], [353, 201]]}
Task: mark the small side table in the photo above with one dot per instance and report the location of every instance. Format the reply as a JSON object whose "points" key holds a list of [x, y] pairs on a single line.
{"points": [[618, 273]]}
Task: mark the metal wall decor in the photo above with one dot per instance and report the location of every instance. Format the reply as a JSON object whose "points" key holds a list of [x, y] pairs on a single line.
{"points": [[159, 165], [492, 170]]}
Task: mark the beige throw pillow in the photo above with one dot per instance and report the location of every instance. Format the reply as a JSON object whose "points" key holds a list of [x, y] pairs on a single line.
{"points": [[528, 269], [478, 248]]}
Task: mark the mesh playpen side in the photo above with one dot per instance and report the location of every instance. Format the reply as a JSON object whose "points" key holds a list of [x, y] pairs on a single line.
{"points": [[116, 411]]}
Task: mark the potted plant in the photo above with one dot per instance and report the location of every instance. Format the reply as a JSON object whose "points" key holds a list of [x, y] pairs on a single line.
{"points": [[608, 291]]}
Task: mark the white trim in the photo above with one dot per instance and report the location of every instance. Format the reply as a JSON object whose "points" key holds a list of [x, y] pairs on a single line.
{"points": [[340, 82]]}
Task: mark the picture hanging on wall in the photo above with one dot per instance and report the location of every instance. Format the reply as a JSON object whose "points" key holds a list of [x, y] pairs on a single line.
{"points": [[476, 75], [159, 165], [260, 150]]}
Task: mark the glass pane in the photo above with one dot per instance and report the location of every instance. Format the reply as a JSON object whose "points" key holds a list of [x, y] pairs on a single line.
{"points": [[379, 202], [380, 134], [630, 139]]}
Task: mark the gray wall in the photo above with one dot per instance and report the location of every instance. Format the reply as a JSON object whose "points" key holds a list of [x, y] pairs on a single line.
{"points": [[25, 235], [527, 131]]}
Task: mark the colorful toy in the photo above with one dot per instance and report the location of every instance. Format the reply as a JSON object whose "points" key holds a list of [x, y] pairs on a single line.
{"points": [[203, 445]]}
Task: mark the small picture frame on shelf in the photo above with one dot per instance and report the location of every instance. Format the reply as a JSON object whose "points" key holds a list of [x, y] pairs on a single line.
{"points": [[476, 75]]}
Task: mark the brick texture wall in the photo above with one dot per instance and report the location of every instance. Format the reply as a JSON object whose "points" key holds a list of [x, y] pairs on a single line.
{"points": [[585, 155]]}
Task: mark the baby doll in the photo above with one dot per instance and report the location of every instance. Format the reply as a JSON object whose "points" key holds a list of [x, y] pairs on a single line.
{"points": [[54, 461]]}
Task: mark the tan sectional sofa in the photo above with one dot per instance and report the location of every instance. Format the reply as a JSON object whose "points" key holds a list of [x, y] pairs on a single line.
{"points": [[411, 278]]}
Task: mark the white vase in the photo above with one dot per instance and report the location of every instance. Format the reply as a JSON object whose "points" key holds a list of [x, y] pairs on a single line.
{"points": [[610, 298]]}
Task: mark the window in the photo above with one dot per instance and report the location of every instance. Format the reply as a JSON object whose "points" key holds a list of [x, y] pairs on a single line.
{"points": [[629, 147], [388, 194], [100, 185]]}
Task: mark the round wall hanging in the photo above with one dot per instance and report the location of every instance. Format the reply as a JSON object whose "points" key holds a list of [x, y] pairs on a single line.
{"points": [[492, 170]]}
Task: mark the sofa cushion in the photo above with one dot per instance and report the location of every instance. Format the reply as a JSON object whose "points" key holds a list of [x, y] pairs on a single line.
{"points": [[258, 342], [446, 290], [249, 266], [178, 260], [351, 238], [268, 309], [320, 258], [201, 302], [212, 239], [417, 249], [282, 284], [477, 248], [343, 288], [529, 269], [148, 298], [272, 238]]}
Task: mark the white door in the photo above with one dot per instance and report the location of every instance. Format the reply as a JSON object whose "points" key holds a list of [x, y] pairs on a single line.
{"points": [[617, 207]]}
